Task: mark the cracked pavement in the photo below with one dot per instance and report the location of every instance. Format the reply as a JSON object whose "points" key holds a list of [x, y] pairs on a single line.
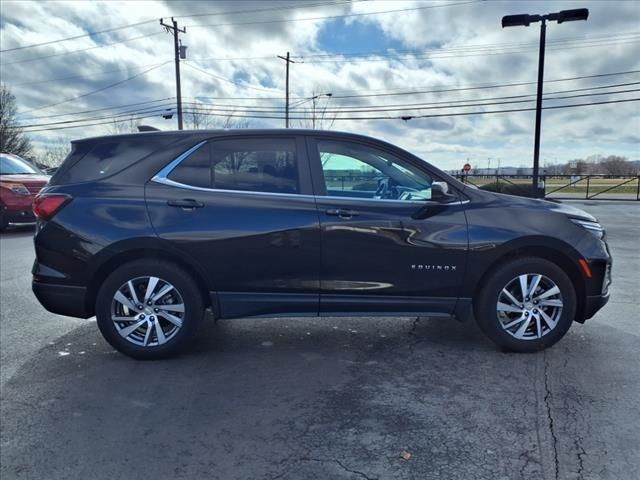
{"points": [[335, 398]]}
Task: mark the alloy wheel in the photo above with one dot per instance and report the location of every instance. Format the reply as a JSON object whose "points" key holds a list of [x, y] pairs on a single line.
{"points": [[147, 311], [529, 306]]}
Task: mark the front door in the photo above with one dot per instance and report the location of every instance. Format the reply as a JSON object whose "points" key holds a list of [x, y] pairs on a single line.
{"points": [[386, 245], [241, 207]]}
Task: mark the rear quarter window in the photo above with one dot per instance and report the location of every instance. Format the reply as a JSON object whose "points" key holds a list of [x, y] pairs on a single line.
{"points": [[89, 161]]}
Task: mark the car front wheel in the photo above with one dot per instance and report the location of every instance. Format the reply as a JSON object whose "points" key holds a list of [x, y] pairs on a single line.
{"points": [[526, 305], [149, 309]]}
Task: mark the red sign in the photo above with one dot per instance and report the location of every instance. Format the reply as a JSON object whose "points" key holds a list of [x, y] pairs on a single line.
{"points": [[467, 167]]}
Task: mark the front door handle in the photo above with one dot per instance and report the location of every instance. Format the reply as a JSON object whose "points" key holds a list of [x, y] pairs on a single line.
{"points": [[186, 203], [342, 213]]}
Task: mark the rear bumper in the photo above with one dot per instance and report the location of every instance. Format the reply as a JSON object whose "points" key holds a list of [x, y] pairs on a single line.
{"points": [[24, 215], [595, 303], [62, 299]]}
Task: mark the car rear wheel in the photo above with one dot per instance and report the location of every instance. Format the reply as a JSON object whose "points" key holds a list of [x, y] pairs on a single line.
{"points": [[526, 305], [149, 309]]}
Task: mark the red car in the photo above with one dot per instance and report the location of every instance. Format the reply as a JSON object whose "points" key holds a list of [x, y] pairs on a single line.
{"points": [[19, 184]]}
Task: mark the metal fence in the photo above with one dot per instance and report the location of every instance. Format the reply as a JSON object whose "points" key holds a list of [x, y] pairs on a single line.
{"points": [[588, 187], [561, 187]]}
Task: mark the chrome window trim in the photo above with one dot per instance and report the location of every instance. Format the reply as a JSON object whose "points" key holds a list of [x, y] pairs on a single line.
{"points": [[166, 171], [172, 183], [162, 178]]}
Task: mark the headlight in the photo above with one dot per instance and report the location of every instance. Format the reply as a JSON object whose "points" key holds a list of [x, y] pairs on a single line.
{"points": [[18, 188], [593, 227]]}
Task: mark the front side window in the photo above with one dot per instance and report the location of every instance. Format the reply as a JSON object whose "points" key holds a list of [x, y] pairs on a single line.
{"points": [[256, 165], [354, 170]]}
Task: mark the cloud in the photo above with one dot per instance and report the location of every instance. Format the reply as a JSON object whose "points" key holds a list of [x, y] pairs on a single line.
{"points": [[241, 69]]}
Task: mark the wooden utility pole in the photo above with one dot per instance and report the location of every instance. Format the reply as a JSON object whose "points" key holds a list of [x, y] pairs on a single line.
{"points": [[288, 60], [176, 46]]}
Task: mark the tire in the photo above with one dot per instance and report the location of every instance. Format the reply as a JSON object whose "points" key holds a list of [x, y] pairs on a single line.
{"points": [[163, 330], [3, 224], [532, 324]]}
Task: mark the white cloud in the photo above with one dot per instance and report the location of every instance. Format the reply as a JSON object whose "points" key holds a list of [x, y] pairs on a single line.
{"points": [[445, 141]]}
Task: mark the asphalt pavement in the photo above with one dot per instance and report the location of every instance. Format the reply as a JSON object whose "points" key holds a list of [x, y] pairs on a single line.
{"points": [[333, 398]]}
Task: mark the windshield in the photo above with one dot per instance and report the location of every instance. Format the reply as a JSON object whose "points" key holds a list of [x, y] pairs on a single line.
{"points": [[13, 165]]}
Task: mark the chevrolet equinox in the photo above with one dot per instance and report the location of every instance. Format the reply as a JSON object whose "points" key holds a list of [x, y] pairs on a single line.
{"points": [[146, 231]]}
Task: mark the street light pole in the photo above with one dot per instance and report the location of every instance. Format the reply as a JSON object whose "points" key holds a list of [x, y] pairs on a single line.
{"points": [[536, 137], [525, 20]]}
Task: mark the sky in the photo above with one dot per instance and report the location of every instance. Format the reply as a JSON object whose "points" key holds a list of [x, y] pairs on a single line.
{"points": [[438, 62]]}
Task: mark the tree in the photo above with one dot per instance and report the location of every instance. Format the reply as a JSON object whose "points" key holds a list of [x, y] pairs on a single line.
{"points": [[127, 125], [12, 137], [54, 154], [315, 109], [616, 165]]}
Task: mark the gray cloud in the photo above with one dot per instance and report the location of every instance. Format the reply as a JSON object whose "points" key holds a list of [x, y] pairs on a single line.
{"points": [[445, 141]]}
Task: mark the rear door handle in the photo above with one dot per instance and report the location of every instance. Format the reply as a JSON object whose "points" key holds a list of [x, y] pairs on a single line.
{"points": [[342, 213], [186, 203]]}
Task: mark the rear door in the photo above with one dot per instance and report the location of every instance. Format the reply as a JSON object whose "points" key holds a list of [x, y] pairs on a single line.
{"points": [[242, 207], [386, 245]]}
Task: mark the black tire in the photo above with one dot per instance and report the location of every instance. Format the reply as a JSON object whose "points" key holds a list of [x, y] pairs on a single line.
{"points": [[3, 223], [486, 305], [187, 290]]}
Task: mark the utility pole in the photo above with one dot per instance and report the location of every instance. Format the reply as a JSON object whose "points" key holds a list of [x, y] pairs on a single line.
{"points": [[176, 45], [286, 106]]}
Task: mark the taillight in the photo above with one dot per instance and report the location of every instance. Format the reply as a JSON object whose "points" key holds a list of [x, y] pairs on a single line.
{"points": [[46, 206]]}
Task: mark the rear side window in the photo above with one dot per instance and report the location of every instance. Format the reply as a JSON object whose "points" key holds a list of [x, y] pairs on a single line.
{"points": [[195, 170], [256, 165], [90, 161]]}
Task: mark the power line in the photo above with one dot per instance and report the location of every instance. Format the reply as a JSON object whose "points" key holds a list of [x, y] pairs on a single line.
{"points": [[83, 49], [456, 114], [417, 105], [206, 110], [438, 105], [149, 111], [122, 27], [119, 70], [165, 100], [227, 80], [98, 90], [593, 38], [471, 53], [262, 22], [269, 9], [419, 91], [391, 92], [203, 107], [75, 37], [482, 87]]}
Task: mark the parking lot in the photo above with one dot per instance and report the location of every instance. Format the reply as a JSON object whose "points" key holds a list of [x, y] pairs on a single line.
{"points": [[335, 398]]}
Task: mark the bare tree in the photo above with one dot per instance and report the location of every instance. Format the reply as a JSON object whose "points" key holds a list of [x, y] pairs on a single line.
{"points": [[314, 109], [196, 118], [616, 165], [127, 125], [54, 154], [12, 137]]}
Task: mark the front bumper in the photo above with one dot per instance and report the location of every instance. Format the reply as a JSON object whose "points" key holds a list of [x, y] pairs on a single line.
{"points": [[595, 303], [62, 299]]}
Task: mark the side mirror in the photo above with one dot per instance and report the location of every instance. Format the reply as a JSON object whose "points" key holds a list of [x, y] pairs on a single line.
{"points": [[440, 192]]}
